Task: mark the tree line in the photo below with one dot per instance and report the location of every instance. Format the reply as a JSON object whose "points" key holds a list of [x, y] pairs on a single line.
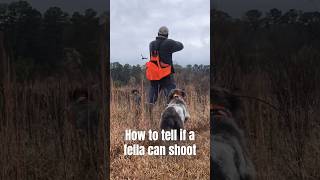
{"points": [[46, 43], [133, 74], [281, 44]]}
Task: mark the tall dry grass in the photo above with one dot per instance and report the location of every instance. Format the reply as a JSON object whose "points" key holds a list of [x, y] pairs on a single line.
{"points": [[283, 138], [123, 116], [39, 137], [38, 140]]}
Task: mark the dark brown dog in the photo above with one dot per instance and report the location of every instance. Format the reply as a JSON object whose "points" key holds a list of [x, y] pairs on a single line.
{"points": [[136, 106]]}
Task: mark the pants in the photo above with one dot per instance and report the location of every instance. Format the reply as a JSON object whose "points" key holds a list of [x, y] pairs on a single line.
{"points": [[166, 83]]}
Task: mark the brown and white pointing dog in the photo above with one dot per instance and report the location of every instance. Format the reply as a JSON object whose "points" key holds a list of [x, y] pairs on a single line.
{"points": [[229, 156], [176, 113]]}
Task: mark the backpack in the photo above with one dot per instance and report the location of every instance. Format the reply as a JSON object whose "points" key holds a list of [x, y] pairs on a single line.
{"points": [[155, 69]]}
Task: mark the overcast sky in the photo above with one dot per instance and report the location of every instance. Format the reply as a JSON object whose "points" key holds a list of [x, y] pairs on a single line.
{"points": [[135, 23], [68, 5], [236, 8]]}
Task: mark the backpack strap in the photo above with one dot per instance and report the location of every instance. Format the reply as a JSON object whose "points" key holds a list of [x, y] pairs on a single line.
{"points": [[157, 49], [159, 45]]}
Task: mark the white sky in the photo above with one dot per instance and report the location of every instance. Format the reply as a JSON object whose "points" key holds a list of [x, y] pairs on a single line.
{"points": [[135, 23]]}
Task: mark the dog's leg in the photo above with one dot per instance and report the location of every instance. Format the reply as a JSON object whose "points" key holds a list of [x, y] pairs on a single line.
{"points": [[186, 113], [178, 125]]}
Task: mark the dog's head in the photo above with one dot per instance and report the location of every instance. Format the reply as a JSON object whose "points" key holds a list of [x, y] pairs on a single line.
{"points": [[223, 101], [177, 94], [79, 95], [135, 91]]}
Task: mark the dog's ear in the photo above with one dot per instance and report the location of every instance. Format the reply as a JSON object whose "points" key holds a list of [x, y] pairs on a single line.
{"points": [[183, 93], [233, 98], [234, 102], [171, 94]]}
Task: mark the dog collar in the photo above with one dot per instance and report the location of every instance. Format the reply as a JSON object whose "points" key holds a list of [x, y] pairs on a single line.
{"points": [[216, 107], [220, 111]]}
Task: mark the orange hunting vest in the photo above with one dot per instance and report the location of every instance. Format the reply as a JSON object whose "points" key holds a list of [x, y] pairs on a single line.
{"points": [[155, 69]]}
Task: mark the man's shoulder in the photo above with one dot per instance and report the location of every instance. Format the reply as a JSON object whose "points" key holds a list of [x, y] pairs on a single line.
{"points": [[153, 41], [166, 42], [170, 40]]}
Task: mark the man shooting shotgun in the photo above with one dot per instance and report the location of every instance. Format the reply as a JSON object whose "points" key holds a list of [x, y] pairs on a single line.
{"points": [[159, 70]]}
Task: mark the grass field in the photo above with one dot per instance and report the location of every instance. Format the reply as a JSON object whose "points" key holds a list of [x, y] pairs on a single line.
{"points": [[124, 117], [38, 139], [283, 129]]}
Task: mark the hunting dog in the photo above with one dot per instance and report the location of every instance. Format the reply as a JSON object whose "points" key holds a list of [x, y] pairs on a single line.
{"points": [[176, 113], [136, 97], [83, 112], [136, 106], [229, 156]]}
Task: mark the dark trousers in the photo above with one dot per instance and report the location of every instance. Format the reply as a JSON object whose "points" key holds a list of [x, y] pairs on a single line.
{"points": [[166, 84]]}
